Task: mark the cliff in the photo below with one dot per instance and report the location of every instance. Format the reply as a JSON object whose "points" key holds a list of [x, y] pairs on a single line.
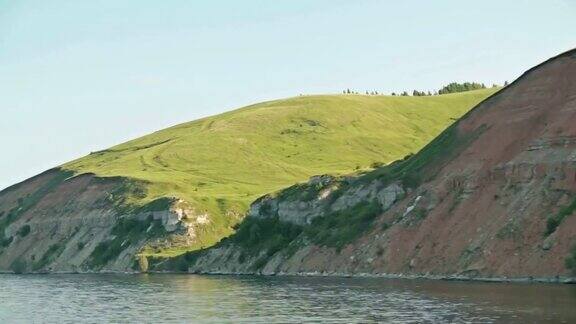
{"points": [[493, 196]]}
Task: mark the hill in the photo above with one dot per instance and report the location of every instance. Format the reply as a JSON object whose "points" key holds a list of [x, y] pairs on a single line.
{"points": [[223, 163], [492, 197], [186, 187]]}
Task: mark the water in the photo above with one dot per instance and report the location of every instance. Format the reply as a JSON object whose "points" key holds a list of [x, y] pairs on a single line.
{"points": [[247, 299]]}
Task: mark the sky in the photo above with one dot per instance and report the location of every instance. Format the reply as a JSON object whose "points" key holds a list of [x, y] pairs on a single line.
{"points": [[80, 76]]}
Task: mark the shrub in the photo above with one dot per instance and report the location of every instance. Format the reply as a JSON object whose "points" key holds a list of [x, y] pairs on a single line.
{"points": [[420, 214], [24, 231], [6, 241], [127, 231], [105, 252], [260, 263], [571, 260], [242, 258], [343, 227], [269, 234], [180, 263], [19, 266], [52, 253], [301, 191], [553, 222]]}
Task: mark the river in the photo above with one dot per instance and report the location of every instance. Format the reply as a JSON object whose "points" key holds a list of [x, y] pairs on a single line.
{"points": [[251, 299]]}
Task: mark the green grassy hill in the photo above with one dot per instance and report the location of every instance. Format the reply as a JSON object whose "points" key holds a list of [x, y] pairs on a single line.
{"points": [[222, 163]]}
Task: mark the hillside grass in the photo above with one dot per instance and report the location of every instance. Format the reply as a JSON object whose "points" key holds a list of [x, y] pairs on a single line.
{"points": [[222, 163]]}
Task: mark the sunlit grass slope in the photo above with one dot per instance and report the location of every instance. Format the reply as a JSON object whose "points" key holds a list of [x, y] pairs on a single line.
{"points": [[222, 163]]}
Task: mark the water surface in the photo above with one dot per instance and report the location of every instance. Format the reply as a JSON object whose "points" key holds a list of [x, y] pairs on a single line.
{"points": [[248, 299]]}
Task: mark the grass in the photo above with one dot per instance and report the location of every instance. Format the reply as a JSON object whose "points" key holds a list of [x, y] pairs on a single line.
{"points": [[221, 164], [417, 168]]}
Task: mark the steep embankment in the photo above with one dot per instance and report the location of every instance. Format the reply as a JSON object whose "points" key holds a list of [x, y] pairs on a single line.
{"points": [[185, 187], [493, 196]]}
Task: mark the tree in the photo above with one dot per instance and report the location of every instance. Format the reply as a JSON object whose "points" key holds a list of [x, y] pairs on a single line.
{"points": [[461, 87], [405, 94]]}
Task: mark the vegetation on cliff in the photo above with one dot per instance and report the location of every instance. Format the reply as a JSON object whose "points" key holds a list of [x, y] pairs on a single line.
{"points": [[126, 232], [554, 221], [262, 238]]}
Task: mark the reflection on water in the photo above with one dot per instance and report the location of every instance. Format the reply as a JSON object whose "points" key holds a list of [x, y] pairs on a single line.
{"points": [[217, 299]]}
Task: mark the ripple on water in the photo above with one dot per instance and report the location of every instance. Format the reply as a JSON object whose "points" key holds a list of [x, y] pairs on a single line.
{"points": [[246, 299]]}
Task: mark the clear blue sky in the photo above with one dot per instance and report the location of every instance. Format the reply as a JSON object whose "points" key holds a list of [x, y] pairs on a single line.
{"points": [[79, 76]]}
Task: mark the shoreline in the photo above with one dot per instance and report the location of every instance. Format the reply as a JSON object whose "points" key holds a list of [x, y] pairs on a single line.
{"points": [[529, 279]]}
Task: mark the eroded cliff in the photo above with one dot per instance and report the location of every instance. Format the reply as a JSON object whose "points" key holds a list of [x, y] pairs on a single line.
{"points": [[58, 222], [492, 196]]}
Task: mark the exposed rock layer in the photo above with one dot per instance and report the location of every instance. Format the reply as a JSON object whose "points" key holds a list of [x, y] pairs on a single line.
{"points": [[477, 202], [54, 222]]}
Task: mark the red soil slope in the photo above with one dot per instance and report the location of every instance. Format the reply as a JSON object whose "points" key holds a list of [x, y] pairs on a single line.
{"points": [[486, 209]]}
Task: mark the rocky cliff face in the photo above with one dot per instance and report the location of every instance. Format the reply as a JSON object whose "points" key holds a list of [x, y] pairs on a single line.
{"points": [[57, 222], [493, 196]]}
